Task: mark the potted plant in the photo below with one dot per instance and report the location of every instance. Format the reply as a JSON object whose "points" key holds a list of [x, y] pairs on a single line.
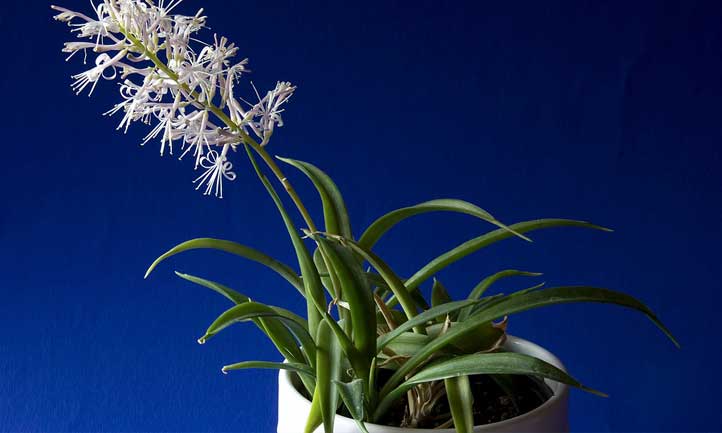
{"points": [[371, 354]]}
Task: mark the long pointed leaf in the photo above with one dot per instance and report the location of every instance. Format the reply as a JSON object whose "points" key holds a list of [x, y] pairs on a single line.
{"points": [[290, 366], [481, 288], [439, 294], [482, 241], [422, 319], [328, 370], [233, 248], [360, 300], [281, 337], [478, 291], [253, 310], [393, 281], [333, 287], [305, 373], [516, 303], [334, 208], [315, 415], [383, 224], [461, 400], [486, 363], [328, 277], [235, 297]]}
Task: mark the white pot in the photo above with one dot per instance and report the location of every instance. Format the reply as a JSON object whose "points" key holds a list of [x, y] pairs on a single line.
{"points": [[551, 416]]}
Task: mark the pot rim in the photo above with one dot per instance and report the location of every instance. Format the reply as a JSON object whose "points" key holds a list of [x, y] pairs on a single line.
{"points": [[560, 393]]}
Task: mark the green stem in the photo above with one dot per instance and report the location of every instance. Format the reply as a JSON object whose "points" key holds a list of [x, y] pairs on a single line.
{"points": [[247, 139]]}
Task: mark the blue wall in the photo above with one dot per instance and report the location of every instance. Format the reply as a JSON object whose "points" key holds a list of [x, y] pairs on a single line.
{"points": [[532, 109]]}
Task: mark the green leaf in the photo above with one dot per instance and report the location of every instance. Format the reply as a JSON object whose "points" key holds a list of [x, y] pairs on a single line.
{"points": [[291, 366], [361, 304], [419, 300], [375, 280], [233, 248], [415, 296], [343, 339], [484, 363], [306, 373], [439, 296], [484, 337], [334, 208], [481, 288], [495, 363], [406, 344], [482, 241], [374, 232], [328, 370], [490, 301], [513, 304], [328, 278], [516, 303], [235, 297], [478, 291], [389, 276], [352, 394], [461, 401], [315, 415], [333, 287], [253, 310], [281, 337], [422, 319]]}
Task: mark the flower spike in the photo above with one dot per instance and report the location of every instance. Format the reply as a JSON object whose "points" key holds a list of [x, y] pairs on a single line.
{"points": [[183, 88]]}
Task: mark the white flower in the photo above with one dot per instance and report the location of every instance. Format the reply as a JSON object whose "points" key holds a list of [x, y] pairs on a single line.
{"points": [[102, 62], [183, 88], [217, 168], [196, 134], [66, 15], [268, 110]]}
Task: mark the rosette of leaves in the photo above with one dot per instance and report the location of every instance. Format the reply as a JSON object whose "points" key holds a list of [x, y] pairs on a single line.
{"points": [[369, 339]]}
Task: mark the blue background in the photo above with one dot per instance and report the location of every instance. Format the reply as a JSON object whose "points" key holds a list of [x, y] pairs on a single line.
{"points": [[609, 113]]}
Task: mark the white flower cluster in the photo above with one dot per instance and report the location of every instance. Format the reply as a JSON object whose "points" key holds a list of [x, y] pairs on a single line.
{"points": [[186, 93]]}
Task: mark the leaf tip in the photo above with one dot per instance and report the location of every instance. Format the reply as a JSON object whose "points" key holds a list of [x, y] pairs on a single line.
{"points": [[224, 370], [150, 268], [597, 393], [516, 233], [664, 329], [589, 390], [202, 340], [598, 227]]}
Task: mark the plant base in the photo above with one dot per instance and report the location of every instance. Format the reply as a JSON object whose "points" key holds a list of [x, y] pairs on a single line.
{"points": [[551, 416]]}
